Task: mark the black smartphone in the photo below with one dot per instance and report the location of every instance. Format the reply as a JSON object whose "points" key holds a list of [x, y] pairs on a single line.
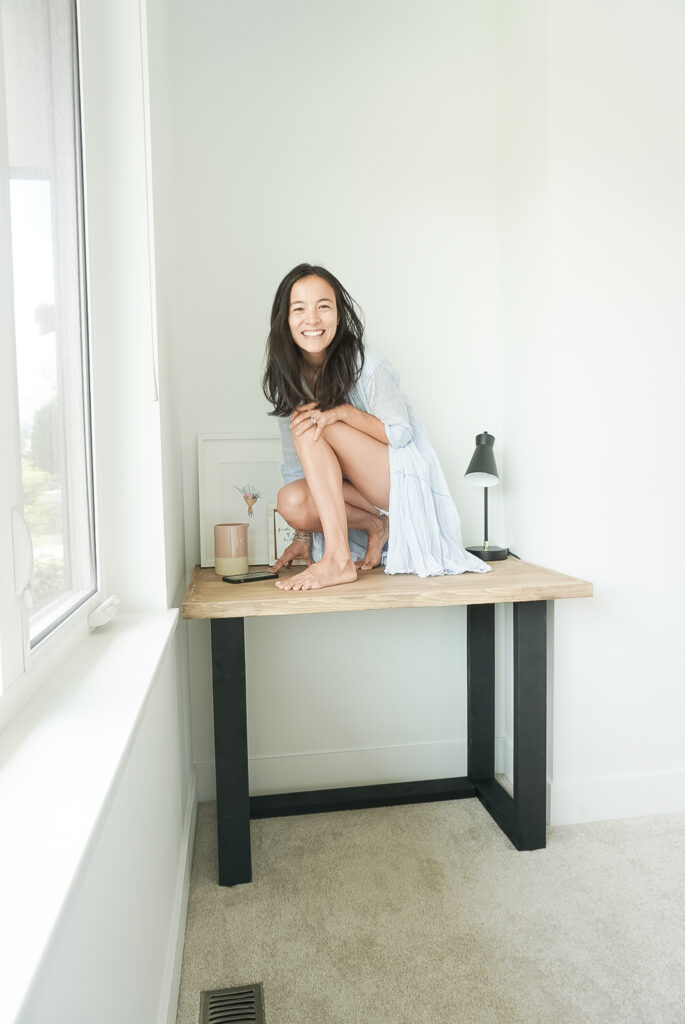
{"points": [[248, 577]]}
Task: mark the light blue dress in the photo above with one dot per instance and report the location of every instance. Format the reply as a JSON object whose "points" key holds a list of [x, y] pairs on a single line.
{"points": [[425, 531]]}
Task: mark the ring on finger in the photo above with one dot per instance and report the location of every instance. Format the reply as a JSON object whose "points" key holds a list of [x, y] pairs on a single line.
{"points": [[313, 419]]}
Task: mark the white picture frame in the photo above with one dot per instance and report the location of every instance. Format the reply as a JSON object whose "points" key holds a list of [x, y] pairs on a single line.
{"points": [[229, 465]]}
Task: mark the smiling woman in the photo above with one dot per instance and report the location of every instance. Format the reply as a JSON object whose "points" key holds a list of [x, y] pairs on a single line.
{"points": [[356, 461], [285, 359]]}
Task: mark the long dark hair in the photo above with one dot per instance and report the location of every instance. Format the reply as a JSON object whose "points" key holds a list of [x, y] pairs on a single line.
{"points": [[285, 364]]}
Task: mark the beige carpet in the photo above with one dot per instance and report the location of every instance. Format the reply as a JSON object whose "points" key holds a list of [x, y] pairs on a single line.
{"points": [[425, 914]]}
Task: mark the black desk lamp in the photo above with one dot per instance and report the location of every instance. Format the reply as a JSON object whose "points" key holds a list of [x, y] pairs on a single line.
{"points": [[482, 472]]}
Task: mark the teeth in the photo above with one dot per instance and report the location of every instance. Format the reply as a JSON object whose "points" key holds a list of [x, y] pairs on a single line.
{"points": [[312, 334]]}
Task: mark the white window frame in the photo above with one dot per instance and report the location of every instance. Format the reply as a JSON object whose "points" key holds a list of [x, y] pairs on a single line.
{"points": [[23, 667], [11, 617], [122, 328]]}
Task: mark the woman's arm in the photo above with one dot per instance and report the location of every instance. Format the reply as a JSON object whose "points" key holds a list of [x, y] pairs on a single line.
{"points": [[309, 417], [388, 419], [366, 422]]}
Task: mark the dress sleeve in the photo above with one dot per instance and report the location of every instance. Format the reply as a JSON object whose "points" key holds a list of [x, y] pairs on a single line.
{"points": [[389, 405], [291, 468]]}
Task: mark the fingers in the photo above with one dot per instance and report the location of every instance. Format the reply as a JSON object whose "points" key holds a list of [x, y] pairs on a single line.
{"points": [[303, 426], [288, 556], [303, 418], [285, 561], [317, 420], [303, 412], [323, 420], [297, 422]]}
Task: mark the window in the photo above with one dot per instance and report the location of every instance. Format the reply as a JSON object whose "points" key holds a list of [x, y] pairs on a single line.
{"points": [[43, 260]]}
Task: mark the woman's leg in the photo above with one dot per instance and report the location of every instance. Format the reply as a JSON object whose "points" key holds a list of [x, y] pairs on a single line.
{"points": [[365, 462], [362, 515], [324, 478], [297, 507]]}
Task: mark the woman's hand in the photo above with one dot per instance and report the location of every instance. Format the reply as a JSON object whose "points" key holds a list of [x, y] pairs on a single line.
{"points": [[298, 549], [309, 416]]}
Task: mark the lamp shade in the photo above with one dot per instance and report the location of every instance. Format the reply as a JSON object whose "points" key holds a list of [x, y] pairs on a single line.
{"points": [[482, 471]]}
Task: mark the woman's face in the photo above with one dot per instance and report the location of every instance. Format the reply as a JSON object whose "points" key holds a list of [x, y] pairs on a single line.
{"points": [[313, 317]]}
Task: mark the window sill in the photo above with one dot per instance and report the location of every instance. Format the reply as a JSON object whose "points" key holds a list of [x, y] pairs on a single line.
{"points": [[59, 761]]}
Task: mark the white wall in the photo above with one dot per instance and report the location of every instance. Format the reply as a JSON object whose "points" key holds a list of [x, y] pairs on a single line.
{"points": [[160, 114], [116, 953], [591, 126], [529, 390], [499, 186], [362, 136]]}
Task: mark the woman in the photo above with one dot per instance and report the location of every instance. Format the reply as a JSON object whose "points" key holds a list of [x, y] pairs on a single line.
{"points": [[355, 459]]}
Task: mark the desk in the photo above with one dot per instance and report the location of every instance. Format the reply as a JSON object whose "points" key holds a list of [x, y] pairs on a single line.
{"points": [[521, 816]]}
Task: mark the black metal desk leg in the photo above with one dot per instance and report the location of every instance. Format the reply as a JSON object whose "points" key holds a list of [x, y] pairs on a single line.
{"points": [[530, 723], [523, 816], [480, 647], [230, 751]]}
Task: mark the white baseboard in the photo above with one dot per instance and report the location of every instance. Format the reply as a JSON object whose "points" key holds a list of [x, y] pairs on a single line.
{"points": [[329, 769], [206, 781], [569, 801], [573, 801], [171, 981]]}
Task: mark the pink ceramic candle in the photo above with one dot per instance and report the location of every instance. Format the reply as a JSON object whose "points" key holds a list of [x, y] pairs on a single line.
{"points": [[230, 548]]}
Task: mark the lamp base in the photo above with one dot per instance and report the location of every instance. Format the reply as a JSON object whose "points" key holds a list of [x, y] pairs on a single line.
{"points": [[490, 554]]}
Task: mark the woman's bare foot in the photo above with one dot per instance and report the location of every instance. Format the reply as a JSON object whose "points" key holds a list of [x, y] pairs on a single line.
{"points": [[378, 534], [328, 572]]}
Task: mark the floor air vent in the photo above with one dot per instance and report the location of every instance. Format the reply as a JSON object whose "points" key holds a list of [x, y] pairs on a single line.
{"points": [[243, 1005]]}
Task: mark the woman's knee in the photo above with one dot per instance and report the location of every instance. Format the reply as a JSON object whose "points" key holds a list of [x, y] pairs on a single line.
{"points": [[294, 504]]}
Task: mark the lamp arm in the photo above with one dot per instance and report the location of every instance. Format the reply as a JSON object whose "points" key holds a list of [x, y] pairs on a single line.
{"points": [[485, 525]]}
